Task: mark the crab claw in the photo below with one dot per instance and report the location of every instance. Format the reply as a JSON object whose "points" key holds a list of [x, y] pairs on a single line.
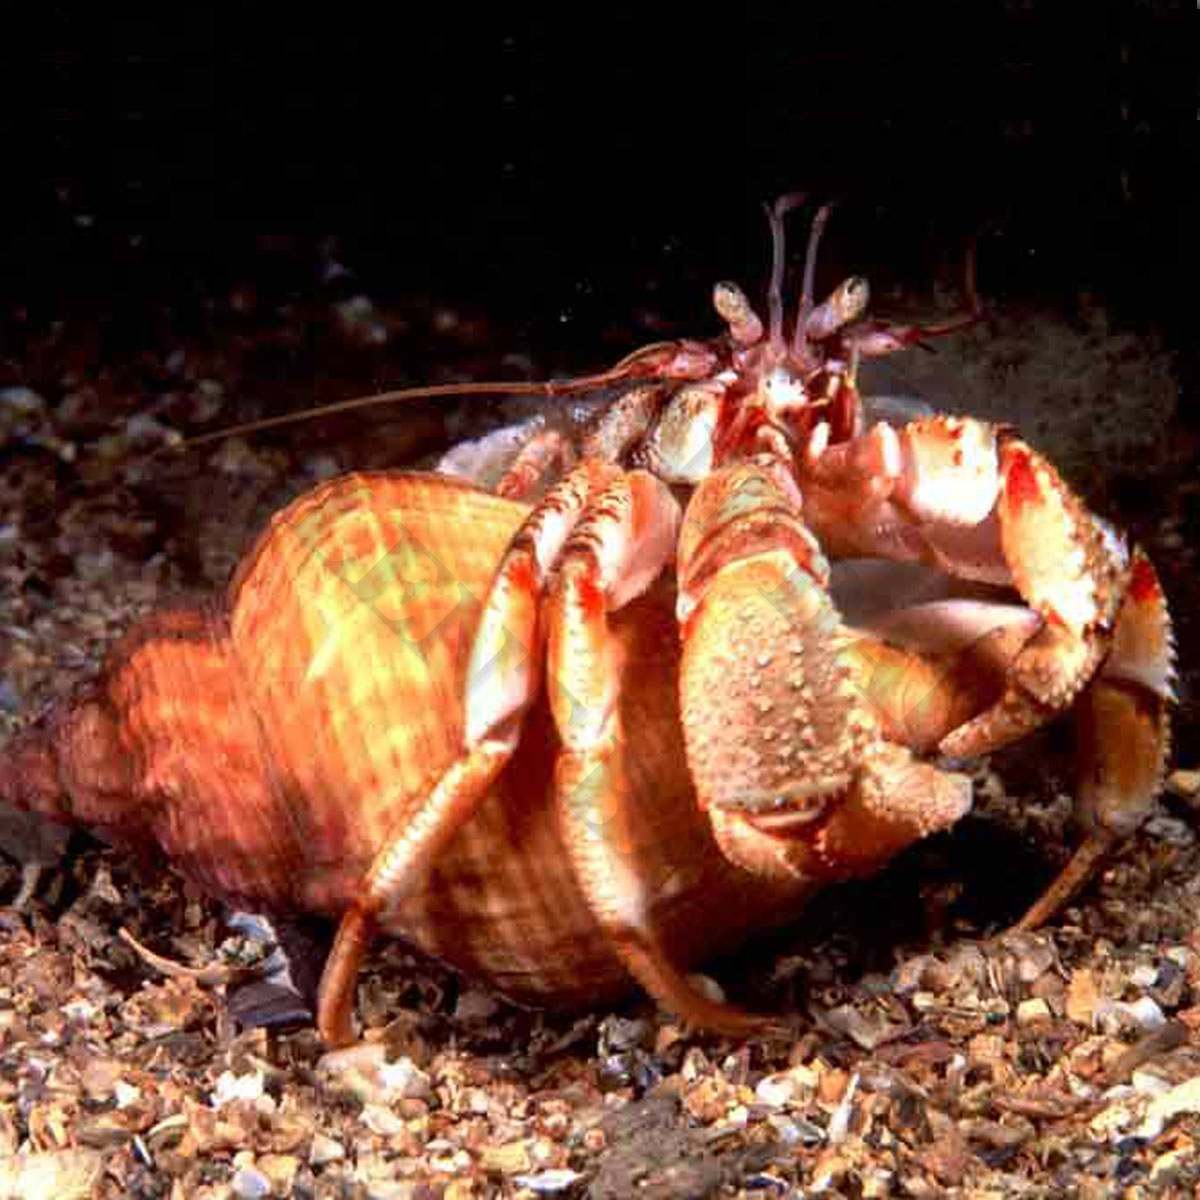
{"points": [[1072, 570], [975, 501], [787, 754], [1123, 717]]}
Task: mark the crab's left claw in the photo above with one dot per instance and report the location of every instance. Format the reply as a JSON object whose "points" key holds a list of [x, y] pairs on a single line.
{"points": [[976, 502], [1104, 649]]}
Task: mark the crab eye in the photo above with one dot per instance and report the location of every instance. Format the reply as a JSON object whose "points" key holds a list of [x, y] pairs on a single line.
{"points": [[846, 303], [857, 292], [736, 311]]}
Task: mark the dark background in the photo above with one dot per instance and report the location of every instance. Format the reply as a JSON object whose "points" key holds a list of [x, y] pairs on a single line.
{"points": [[562, 170]]}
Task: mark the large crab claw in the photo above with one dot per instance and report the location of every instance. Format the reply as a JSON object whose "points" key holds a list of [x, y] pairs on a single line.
{"points": [[788, 754], [977, 503]]}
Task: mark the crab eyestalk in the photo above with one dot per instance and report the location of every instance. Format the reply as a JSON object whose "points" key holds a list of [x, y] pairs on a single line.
{"points": [[735, 309], [846, 303]]}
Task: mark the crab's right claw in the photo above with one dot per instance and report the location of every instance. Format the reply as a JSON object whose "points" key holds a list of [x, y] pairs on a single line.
{"points": [[788, 753]]}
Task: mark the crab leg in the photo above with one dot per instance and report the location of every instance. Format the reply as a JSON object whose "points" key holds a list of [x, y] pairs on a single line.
{"points": [[1123, 735], [503, 681], [979, 503], [613, 554], [622, 424], [534, 462]]}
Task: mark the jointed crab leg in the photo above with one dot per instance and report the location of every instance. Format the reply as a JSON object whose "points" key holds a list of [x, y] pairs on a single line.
{"points": [[626, 539], [534, 462], [503, 681], [1123, 735], [976, 501]]}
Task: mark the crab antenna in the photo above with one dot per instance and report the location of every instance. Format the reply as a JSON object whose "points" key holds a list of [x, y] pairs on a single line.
{"points": [[435, 391], [810, 270], [775, 215]]}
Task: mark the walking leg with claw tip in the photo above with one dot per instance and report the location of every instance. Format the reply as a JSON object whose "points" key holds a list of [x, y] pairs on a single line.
{"points": [[977, 502], [504, 677], [625, 540]]}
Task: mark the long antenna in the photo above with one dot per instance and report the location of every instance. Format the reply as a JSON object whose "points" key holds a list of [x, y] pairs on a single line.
{"points": [[810, 271], [429, 392], [775, 215]]}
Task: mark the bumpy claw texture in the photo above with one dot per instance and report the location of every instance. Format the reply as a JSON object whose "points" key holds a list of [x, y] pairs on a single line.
{"points": [[797, 775]]}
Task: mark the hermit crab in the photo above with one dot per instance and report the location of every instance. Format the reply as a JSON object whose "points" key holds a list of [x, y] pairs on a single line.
{"points": [[613, 715]]}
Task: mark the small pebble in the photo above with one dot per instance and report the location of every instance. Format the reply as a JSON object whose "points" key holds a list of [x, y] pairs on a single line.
{"points": [[1172, 830], [1029, 1011], [870, 1030], [250, 1184], [1167, 1167], [358, 322], [325, 1149], [839, 1121], [1184, 783], [786, 1130], [508, 1159], [1144, 975], [475, 1004], [776, 1091], [380, 1119], [237, 1087], [549, 1183], [21, 400], [364, 1070], [1183, 1098], [765, 1182], [1143, 1014]]}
